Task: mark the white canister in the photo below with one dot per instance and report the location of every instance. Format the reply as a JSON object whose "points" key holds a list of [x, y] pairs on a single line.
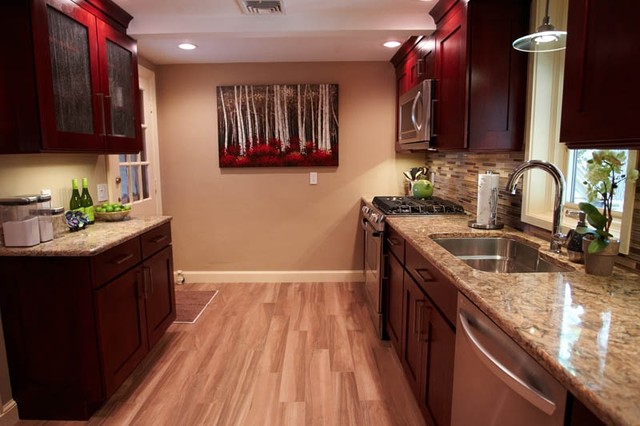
{"points": [[20, 221]]}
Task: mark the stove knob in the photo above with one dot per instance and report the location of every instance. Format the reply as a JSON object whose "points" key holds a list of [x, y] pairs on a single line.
{"points": [[365, 210], [380, 218]]}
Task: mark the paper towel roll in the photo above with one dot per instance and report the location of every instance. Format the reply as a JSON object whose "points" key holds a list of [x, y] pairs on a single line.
{"points": [[487, 198]]}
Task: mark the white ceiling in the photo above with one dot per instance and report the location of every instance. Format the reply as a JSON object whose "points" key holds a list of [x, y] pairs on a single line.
{"points": [[308, 31]]}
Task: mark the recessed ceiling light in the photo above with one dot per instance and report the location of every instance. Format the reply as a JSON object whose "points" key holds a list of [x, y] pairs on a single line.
{"points": [[392, 44], [187, 46]]}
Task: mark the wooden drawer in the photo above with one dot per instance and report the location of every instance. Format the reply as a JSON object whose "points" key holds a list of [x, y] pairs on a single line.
{"points": [[439, 289], [155, 240], [115, 261], [394, 243]]}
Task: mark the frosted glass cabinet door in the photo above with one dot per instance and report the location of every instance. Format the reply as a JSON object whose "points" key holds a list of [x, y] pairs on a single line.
{"points": [[87, 80], [67, 76], [119, 72]]}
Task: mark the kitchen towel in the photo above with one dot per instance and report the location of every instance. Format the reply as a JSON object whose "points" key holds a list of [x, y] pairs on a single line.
{"points": [[487, 198]]}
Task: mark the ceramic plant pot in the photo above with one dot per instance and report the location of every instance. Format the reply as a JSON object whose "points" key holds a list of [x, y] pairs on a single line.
{"points": [[600, 263]]}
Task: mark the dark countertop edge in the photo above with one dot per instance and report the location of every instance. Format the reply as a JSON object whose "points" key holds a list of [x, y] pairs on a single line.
{"points": [[36, 251]]}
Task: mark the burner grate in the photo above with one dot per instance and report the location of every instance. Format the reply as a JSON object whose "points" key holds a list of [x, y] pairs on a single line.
{"points": [[409, 206]]}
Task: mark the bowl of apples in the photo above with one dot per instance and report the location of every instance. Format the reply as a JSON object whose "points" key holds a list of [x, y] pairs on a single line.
{"points": [[113, 212]]}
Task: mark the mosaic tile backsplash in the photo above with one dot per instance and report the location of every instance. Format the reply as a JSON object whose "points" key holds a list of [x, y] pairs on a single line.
{"points": [[457, 179]]}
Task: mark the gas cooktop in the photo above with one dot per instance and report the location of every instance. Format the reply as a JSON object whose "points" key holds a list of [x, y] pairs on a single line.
{"points": [[410, 206]]}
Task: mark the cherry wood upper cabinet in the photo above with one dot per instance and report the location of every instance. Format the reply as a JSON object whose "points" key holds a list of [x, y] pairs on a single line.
{"points": [[481, 79], [600, 106], [75, 80]]}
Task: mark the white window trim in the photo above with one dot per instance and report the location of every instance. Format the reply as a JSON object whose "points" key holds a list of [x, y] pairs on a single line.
{"points": [[542, 135], [542, 131]]}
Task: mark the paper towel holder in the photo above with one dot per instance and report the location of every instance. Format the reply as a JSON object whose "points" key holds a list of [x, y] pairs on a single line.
{"points": [[493, 219], [489, 226]]}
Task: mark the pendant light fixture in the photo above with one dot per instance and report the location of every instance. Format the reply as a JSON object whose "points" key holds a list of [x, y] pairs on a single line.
{"points": [[545, 39]]}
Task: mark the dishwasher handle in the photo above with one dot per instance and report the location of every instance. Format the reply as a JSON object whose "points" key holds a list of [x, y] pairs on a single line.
{"points": [[503, 373]]}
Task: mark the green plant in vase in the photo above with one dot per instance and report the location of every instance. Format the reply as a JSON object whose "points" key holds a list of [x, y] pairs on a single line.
{"points": [[604, 174]]}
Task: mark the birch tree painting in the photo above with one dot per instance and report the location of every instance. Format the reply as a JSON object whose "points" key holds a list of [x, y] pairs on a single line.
{"points": [[278, 125]]}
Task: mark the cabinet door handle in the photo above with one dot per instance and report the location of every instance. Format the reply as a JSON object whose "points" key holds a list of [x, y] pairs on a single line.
{"points": [[159, 239], [417, 318], [120, 260], [140, 287], [425, 327], [107, 100], [102, 113], [424, 274], [148, 280], [420, 67]]}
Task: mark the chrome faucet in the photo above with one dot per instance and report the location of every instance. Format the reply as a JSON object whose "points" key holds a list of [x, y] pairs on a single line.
{"points": [[557, 238]]}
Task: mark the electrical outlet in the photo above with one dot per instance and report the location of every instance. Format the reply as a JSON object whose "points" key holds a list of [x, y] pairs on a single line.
{"points": [[313, 178], [103, 192]]}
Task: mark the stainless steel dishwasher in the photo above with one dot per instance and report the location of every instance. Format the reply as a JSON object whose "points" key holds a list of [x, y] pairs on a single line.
{"points": [[495, 381]]}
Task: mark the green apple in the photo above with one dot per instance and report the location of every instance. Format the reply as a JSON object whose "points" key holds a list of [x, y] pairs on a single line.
{"points": [[422, 188]]}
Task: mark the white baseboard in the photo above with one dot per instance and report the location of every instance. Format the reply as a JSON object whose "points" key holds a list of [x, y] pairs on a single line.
{"points": [[9, 413], [268, 276]]}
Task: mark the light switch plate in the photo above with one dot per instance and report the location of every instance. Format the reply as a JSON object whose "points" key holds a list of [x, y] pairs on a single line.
{"points": [[313, 178], [103, 192]]}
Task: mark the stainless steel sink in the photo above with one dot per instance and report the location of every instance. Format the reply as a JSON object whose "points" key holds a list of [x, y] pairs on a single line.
{"points": [[499, 254]]}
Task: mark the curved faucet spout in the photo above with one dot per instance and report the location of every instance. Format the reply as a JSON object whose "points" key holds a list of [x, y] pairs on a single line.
{"points": [[558, 178]]}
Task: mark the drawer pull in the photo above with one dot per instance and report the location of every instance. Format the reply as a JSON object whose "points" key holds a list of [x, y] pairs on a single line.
{"points": [[424, 274], [122, 259], [159, 238], [393, 241]]}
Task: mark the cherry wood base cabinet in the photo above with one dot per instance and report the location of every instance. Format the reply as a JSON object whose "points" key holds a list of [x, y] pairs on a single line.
{"points": [[394, 248], [422, 304], [600, 107], [73, 81], [76, 327]]}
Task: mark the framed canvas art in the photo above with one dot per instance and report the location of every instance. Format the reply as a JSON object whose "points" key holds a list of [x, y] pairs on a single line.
{"points": [[281, 125]]}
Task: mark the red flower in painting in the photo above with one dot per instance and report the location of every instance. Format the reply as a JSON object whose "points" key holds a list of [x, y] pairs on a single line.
{"points": [[294, 159]]}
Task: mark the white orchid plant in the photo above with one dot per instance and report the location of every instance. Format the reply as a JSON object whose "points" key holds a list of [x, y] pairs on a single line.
{"points": [[604, 174]]}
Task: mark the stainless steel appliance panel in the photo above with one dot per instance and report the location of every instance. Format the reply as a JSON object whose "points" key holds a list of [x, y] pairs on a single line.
{"points": [[495, 381], [414, 116], [373, 271]]}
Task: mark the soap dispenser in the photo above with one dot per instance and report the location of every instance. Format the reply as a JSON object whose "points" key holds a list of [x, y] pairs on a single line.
{"points": [[574, 239]]}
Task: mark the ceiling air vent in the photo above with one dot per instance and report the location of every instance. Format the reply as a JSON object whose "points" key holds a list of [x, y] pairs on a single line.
{"points": [[262, 7]]}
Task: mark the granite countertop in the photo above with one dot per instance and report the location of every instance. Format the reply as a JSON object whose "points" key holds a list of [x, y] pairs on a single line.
{"points": [[94, 239], [584, 329]]}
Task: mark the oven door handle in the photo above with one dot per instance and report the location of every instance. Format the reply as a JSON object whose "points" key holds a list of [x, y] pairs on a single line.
{"points": [[365, 225]]}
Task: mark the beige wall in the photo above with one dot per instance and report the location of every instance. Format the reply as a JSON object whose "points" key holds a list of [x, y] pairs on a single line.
{"points": [[29, 173], [272, 219]]}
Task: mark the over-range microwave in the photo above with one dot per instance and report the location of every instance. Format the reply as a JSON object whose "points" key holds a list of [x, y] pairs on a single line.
{"points": [[414, 117]]}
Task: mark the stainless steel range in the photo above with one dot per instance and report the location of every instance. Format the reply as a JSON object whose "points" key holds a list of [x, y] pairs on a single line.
{"points": [[372, 221]]}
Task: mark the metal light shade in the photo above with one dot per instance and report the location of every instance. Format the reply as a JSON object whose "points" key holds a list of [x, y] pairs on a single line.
{"points": [[545, 39]]}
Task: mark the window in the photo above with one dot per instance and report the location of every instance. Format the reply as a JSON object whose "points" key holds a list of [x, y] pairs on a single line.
{"points": [[546, 71], [623, 198]]}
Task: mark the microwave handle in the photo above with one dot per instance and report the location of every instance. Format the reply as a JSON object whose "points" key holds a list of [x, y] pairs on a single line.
{"points": [[417, 125]]}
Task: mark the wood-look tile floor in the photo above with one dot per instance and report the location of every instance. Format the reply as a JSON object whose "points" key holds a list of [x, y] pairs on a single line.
{"points": [[268, 354]]}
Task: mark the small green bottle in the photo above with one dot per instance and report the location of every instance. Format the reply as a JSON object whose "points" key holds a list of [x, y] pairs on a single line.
{"points": [[87, 202], [75, 203]]}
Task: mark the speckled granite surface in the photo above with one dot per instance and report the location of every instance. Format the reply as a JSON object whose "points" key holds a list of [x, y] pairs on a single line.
{"points": [[584, 329], [91, 241]]}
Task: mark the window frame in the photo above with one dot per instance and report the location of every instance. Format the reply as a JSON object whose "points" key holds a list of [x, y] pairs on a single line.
{"points": [[542, 140]]}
